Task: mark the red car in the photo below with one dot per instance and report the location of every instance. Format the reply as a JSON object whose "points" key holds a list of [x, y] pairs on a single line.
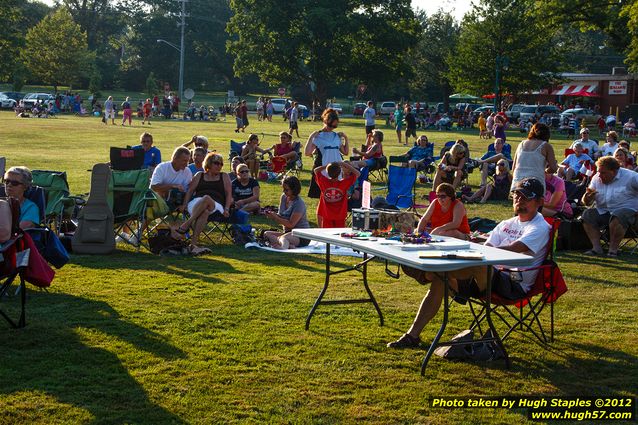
{"points": [[358, 109]]}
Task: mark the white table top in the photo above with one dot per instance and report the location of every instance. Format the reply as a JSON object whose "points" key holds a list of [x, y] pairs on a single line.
{"points": [[394, 253]]}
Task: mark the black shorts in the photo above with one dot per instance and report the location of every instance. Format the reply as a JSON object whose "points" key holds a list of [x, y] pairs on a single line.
{"points": [[502, 284], [293, 125], [410, 132], [369, 129]]}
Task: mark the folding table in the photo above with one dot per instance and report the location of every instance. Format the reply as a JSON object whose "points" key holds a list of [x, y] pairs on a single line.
{"points": [[372, 248]]}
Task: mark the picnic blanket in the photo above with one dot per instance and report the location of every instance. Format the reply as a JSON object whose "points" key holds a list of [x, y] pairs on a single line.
{"points": [[313, 248]]}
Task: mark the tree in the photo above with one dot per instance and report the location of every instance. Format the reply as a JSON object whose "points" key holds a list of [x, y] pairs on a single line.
{"points": [[322, 42], [439, 36], [56, 51], [501, 37], [10, 39], [151, 85]]}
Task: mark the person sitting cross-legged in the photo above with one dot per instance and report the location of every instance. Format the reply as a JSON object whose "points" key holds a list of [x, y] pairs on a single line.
{"points": [[246, 190], [451, 167], [614, 190], [526, 233], [496, 191], [489, 160]]}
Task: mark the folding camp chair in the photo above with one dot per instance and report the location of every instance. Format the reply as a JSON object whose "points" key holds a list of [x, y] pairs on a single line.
{"points": [[379, 172], [401, 187], [224, 226], [59, 204], [235, 149], [13, 262], [125, 159], [129, 197], [548, 287]]}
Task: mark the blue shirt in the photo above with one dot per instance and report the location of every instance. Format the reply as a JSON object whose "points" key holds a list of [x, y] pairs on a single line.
{"points": [[29, 211], [575, 162], [194, 169], [419, 153], [152, 157]]}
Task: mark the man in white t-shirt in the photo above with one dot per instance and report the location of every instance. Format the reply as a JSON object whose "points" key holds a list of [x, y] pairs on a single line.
{"points": [[526, 233], [172, 175], [369, 113]]}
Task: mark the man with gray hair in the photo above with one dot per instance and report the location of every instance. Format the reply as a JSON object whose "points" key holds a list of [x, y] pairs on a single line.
{"points": [[173, 174], [615, 192]]}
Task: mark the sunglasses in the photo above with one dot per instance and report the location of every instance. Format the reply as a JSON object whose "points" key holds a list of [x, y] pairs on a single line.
{"points": [[9, 182], [243, 172], [217, 163], [500, 164], [441, 195]]}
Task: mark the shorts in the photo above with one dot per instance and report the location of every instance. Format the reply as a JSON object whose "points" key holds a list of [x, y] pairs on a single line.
{"points": [[369, 129], [410, 132], [302, 241], [110, 114], [293, 125], [195, 201], [371, 163], [503, 285], [625, 216], [399, 127]]}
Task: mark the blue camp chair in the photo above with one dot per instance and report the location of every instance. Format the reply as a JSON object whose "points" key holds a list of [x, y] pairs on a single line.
{"points": [[401, 190], [235, 149]]}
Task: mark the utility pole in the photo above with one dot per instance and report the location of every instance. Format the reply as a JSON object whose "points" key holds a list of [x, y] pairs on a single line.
{"points": [[182, 24]]}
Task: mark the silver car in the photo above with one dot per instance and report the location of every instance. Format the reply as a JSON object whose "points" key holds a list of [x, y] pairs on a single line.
{"points": [[579, 114], [6, 102]]}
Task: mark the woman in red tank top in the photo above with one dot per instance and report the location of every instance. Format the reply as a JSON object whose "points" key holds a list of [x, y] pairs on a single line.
{"points": [[446, 215]]}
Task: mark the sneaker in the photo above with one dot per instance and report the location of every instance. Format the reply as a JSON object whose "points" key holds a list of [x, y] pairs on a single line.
{"points": [[406, 341]]}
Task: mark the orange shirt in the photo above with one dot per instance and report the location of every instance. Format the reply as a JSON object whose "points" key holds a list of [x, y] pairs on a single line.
{"points": [[439, 218]]}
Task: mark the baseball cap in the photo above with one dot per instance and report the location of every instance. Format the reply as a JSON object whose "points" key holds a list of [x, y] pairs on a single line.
{"points": [[529, 187], [584, 130]]}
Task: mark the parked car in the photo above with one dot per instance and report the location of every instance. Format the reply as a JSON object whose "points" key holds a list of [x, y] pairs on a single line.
{"points": [[486, 109], [278, 105], [461, 106], [358, 109], [579, 114], [514, 112], [336, 106], [31, 98], [304, 112], [387, 108], [17, 96], [6, 102], [537, 111]]}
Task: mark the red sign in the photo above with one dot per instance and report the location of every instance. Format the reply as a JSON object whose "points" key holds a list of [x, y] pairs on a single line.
{"points": [[362, 88], [281, 91]]}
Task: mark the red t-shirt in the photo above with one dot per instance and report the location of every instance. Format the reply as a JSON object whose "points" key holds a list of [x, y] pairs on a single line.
{"points": [[333, 204], [147, 108]]}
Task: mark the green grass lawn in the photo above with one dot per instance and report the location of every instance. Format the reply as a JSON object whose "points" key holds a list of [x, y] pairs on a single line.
{"points": [[137, 338]]}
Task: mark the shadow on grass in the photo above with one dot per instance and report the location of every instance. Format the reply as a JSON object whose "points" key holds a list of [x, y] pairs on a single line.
{"points": [[76, 358]]}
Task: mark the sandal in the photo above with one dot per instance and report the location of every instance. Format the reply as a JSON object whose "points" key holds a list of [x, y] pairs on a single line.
{"points": [[196, 250], [406, 341], [594, 253], [613, 254]]}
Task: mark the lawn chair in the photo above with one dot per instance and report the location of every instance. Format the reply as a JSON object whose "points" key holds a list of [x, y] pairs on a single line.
{"points": [[401, 186], [224, 226], [125, 159], [129, 197], [548, 287], [235, 149], [59, 204], [13, 264], [377, 173]]}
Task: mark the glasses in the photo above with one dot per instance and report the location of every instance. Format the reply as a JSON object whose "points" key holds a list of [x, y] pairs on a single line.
{"points": [[520, 196], [441, 195], [500, 164], [217, 163], [243, 172], [9, 182]]}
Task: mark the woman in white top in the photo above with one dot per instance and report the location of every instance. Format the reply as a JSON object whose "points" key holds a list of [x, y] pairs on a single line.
{"points": [[534, 155], [326, 143]]}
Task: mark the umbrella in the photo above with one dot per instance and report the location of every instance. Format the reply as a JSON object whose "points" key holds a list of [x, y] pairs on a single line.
{"points": [[489, 96], [463, 96]]}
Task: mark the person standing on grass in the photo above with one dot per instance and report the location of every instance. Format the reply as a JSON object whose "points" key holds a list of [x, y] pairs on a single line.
{"points": [[147, 109], [369, 113], [238, 119], [398, 121], [410, 125], [127, 112], [109, 110], [333, 204], [244, 114], [294, 118]]}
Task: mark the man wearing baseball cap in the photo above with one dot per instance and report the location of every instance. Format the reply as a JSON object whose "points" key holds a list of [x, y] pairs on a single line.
{"points": [[590, 145], [525, 233]]}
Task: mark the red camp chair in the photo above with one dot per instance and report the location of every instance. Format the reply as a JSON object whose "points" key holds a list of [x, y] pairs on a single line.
{"points": [[548, 287], [12, 267]]}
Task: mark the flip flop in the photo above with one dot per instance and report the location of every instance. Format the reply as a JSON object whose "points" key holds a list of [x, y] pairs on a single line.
{"points": [[612, 254], [595, 253]]}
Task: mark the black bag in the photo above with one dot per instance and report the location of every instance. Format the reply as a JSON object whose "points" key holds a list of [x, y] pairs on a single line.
{"points": [[479, 351], [242, 234], [483, 225], [49, 246], [163, 241], [175, 198], [572, 236]]}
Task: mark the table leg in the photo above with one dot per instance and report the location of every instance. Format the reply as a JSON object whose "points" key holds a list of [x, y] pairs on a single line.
{"points": [[488, 311], [439, 334], [361, 267]]}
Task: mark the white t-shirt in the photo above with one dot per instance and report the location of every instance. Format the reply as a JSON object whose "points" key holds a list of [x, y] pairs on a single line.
{"points": [[369, 114], [622, 192], [328, 143], [534, 234], [164, 173], [590, 144], [608, 150]]}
